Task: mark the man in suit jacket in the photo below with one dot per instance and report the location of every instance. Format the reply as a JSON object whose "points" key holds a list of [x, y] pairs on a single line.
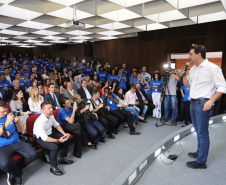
{"points": [[74, 65], [8, 77], [3, 95], [143, 98], [84, 91], [53, 97], [37, 75], [76, 84], [16, 85], [69, 92]]}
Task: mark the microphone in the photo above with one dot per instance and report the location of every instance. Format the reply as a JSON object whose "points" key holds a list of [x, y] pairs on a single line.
{"points": [[186, 68]]}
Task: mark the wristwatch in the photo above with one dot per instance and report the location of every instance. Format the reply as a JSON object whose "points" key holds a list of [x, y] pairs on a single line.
{"points": [[57, 141]]}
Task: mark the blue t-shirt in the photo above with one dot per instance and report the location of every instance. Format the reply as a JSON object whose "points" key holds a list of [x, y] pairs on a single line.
{"points": [[88, 71], [67, 67], [13, 72], [149, 92], [26, 74], [102, 76], [135, 81], [56, 64], [6, 83], [155, 83], [23, 83], [51, 65], [122, 83], [127, 71], [109, 102], [45, 63], [141, 85], [80, 65], [64, 114], [111, 78], [11, 128], [186, 93]]}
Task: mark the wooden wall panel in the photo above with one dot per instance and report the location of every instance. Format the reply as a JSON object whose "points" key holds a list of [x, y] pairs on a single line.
{"points": [[16, 50]]}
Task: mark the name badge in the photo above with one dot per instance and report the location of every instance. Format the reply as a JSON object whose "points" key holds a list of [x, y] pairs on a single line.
{"points": [[110, 102]]}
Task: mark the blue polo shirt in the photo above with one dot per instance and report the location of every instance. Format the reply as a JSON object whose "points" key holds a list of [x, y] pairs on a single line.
{"points": [[186, 93], [51, 65], [6, 83], [127, 71], [141, 85], [45, 63], [102, 76], [11, 128], [149, 92], [112, 77], [64, 114], [88, 71], [122, 83], [13, 72], [80, 65], [109, 102], [56, 64], [155, 83], [135, 81]]}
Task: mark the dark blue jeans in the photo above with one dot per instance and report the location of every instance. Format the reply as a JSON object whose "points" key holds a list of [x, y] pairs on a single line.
{"points": [[6, 161], [200, 121], [167, 100], [95, 129]]}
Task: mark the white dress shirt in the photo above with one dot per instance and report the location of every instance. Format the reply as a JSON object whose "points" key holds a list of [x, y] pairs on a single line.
{"points": [[205, 80], [43, 126], [88, 95], [71, 92], [8, 78]]}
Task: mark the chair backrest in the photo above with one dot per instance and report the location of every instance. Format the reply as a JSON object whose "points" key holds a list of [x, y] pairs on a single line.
{"points": [[9, 108], [55, 113], [30, 122], [61, 96]]}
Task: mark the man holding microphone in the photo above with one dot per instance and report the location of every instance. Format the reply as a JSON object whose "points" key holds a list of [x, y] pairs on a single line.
{"points": [[207, 84]]}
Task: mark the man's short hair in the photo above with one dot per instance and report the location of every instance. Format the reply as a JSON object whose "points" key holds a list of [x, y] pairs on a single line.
{"points": [[3, 104], [43, 104], [51, 84], [2, 74], [199, 49], [95, 91], [83, 80], [134, 88], [6, 68]]}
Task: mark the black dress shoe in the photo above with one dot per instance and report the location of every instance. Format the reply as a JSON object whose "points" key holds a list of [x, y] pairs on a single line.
{"points": [[196, 165], [63, 160], [55, 171], [18, 181], [114, 132], [111, 136], [143, 121], [134, 133], [77, 154], [10, 178], [102, 140], [193, 155]]}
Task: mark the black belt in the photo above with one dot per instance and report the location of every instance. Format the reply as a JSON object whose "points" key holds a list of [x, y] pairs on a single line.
{"points": [[198, 99]]}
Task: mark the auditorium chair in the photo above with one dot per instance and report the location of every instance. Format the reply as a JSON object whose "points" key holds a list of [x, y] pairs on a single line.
{"points": [[9, 108]]}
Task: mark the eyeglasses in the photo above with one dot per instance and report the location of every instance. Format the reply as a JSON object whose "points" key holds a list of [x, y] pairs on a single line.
{"points": [[4, 111]]}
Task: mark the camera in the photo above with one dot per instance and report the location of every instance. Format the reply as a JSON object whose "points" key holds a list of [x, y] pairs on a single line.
{"points": [[123, 73], [113, 81], [87, 103], [110, 93], [15, 113], [146, 80]]}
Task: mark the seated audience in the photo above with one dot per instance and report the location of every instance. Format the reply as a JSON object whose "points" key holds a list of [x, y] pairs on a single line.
{"points": [[19, 105], [111, 100], [69, 92], [10, 144], [88, 121], [104, 117], [35, 101], [53, 97], [84, 91], [47, 137], [66, 118]]}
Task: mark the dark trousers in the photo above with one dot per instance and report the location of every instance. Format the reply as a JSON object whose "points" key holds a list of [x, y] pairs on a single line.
{"points": [[122, 116], [6, 161], [53, 147], [187, 112], [76, 131], [109, 122], [95, 129]]}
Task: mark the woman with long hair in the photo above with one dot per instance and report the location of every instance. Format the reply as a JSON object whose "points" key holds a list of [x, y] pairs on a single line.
{"points": [[46, 86], [112, 77], [63, 87], [34, 83], [95, 82], [123, 104], [156, 86], [107, 85], [19, 105], [45, 74], [35, 101]]}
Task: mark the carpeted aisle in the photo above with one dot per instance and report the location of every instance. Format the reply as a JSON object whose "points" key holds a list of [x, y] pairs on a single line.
{"points": [[177, 173], [102, 166]]}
